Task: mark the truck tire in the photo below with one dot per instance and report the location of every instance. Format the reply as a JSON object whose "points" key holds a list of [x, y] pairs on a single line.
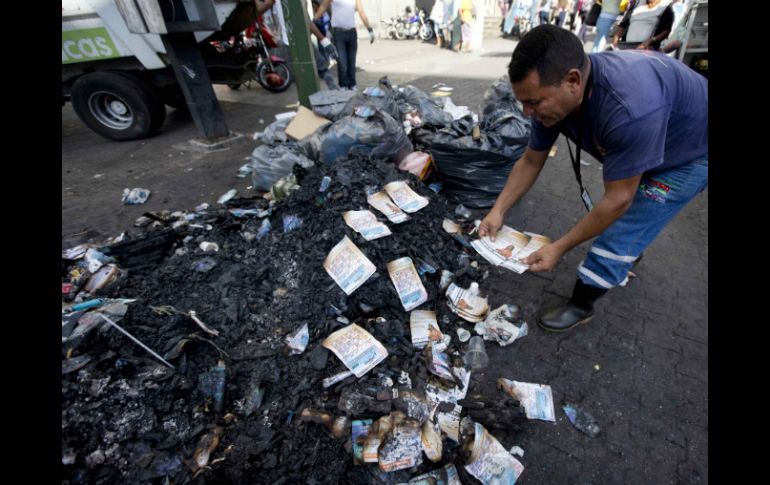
{"points": [[117, 105]]}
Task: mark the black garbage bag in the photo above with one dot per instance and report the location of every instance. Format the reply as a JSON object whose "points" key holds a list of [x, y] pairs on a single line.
{"points": [[371, 132], [431, 111], [512, 126], [500, 97], [330, 104], [473, 175], [381, 97]]}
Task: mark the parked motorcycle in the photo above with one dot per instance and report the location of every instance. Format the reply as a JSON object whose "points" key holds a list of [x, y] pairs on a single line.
{"points": [[271, 72], [427, 29], [412, 24], [392, 30]]}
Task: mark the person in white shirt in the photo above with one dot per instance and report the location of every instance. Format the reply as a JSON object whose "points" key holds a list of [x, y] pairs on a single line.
{"points": [[345, 36]]}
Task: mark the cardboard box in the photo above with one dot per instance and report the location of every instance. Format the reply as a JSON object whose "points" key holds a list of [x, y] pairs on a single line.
{"points": [[304, 124]]}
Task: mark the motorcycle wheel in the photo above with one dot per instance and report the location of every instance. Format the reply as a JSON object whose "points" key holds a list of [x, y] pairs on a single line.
{"points": [[400, 31], [280, 68], [426, 32]]}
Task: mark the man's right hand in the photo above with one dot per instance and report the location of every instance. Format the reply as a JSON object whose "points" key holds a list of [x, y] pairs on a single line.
{"points": [[491, 223]]}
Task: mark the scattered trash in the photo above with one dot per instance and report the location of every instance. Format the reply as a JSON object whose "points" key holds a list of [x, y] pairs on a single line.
{"points": [[304, 124], [596, 367], [297, 341], [402, 446], [431, 441], [244, 212], [356, 348], [407, 282], [211, 385], [325, 182], [476, 356], [272, 162], [584, 163], [463, 335], [330, 381], [360, 432], [516, 451], [417, 163], [366, 224], [209, 247], [382, 203], [135, 196], [463, 212], [264, 229], [291, 222], [467, 303], [499, 325], [404, 197], [488, 461], [348, 266], [227, 196], [536, 399], [446, 279], [581, 419], [202, 325], [106, 275], [424, 328]]}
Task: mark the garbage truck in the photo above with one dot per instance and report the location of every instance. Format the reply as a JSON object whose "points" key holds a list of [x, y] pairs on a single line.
{"points": [[119, 82]]}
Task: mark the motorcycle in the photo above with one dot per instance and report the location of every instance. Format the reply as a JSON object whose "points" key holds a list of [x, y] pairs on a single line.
{"points": [[391, 29], [411, 24], [271, 72], [427, 29]]}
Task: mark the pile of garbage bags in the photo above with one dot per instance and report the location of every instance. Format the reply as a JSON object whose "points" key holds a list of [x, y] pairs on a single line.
{"points": [[472, 156]]}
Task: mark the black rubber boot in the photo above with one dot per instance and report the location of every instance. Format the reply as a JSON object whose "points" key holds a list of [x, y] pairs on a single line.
{"points": [[579, 309]]}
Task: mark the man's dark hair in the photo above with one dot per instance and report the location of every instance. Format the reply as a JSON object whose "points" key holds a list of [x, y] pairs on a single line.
{"points": [[551, 50]]}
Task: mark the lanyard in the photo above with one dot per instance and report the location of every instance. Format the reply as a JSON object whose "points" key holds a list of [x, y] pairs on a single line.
{"points": [[576, 161]]}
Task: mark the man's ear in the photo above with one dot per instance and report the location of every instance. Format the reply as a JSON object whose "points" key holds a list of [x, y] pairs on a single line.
{"points": [[573, 80]]}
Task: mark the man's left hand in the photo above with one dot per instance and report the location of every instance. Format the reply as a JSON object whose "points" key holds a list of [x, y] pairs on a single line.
{"points": [[544, 259]]}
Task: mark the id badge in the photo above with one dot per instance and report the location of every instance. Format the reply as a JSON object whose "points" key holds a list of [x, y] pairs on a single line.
{"points": [[586, 200]]}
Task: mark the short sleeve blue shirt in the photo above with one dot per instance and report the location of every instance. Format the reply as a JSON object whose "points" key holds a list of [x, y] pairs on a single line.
{"points": [[646, 112]]}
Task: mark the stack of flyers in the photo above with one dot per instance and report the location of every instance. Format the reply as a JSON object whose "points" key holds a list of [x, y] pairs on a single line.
{"points": [[536, 242], [424, 328], [536, 399], [381, 202], [509, 247], [348, 266], [366, 224], [404, 197], [468, 306], [407, 282]]}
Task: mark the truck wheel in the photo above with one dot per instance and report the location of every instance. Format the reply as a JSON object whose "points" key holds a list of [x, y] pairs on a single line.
{"points": [[117, 105]]}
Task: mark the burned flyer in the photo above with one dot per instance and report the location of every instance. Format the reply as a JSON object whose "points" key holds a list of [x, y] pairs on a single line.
{"points": [[366, 224], [382, 203], [356, 348], [407, 282], [404, 197], [348, 266]]}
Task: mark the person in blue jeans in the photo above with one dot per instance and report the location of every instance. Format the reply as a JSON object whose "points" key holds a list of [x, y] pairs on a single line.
{"points": [[610, 12], [644, 116], [345, 37]]}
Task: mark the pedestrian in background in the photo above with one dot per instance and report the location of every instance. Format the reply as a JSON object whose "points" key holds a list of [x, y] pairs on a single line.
{"points": [[437, 17], [345, 36]]}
